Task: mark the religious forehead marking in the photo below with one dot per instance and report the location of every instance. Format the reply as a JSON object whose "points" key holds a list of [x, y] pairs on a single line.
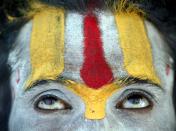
{"points": [[47, 45], [136, 47], [95, 71]]}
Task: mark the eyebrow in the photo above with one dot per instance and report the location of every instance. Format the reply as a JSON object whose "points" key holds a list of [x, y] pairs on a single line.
{"points": [[129, 80], [60, 79], [124, 81]]}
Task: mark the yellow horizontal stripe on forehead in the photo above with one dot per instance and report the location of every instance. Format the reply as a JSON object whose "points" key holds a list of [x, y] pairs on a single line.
{"points": [[47, 45], [135, 46]]}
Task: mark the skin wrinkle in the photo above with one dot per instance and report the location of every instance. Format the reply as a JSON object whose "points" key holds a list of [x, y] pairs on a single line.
{"points": [[115, 119]]}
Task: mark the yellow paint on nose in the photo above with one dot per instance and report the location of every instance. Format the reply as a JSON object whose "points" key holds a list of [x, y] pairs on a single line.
{"points": [[94, 99]]}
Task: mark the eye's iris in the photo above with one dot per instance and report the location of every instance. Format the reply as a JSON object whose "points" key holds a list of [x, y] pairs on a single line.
{"points": [[48, 101], [136, 99]]}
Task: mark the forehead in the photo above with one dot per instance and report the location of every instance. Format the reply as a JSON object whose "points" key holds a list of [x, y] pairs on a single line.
{"points": [[85, 47]]}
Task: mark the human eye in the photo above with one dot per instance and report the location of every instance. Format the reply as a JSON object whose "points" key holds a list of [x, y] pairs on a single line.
{"points": [[135, 100], [51, 103]]}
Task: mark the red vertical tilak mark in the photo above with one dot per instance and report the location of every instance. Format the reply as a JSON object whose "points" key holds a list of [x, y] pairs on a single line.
{"points": [[95, 71]]}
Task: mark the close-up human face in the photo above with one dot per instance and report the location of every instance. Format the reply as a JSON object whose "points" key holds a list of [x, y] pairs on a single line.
{"points": [[97, 70]]}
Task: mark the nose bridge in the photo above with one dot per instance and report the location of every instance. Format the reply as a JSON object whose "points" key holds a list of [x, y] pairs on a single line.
{"points": [[94, 99]]}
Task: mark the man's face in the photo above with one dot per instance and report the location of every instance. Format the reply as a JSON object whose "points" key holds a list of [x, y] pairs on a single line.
{"points": [[96, 71]]}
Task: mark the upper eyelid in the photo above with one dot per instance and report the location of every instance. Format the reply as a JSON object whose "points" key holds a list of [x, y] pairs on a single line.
{"points": [[127, 92], [62, 95]]}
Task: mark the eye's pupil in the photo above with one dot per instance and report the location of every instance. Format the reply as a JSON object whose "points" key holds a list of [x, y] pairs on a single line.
{"points": [[135, 99]]}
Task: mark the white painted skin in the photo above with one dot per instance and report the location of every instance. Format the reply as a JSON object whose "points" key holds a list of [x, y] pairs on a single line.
{"points": [[73, 27], [26, 117], [110, 39]]}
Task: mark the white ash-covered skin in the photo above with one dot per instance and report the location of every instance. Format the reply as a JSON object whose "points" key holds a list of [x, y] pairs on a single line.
{"points": [[25, 117]]}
